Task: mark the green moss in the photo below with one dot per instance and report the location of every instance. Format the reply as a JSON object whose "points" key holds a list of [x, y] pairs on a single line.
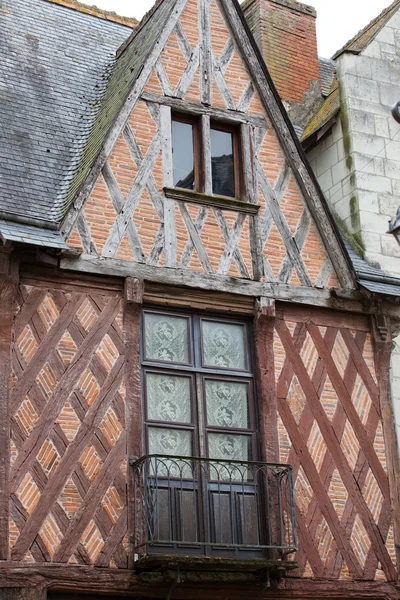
{"points": [[354, 239], [344, 118], [355, 214]]}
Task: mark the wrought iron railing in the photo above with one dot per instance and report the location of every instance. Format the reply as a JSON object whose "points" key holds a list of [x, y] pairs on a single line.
{"points": [[203, 506]]}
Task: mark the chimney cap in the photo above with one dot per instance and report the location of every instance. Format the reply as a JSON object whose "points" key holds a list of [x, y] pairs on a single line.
{"points": [[296, 6]]}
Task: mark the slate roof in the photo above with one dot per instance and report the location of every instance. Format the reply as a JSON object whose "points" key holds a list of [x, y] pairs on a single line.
{"points": [[373, 279], [54, 64], [327, 68], [369, 32], [27, 234]]}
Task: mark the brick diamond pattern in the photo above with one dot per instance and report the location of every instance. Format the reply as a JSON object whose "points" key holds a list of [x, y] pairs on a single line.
{"points": [[68, 490], [330, 431]]}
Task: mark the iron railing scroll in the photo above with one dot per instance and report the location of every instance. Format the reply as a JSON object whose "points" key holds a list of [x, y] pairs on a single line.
{"points": [[210, 507]]}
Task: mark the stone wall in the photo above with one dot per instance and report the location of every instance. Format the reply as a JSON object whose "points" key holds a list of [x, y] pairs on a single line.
{"points": [[369, 85], [328, 161]]}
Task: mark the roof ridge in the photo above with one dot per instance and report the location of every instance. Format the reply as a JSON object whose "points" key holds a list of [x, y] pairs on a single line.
{"points": [[139, 26], [376, 25], [94, 11]]}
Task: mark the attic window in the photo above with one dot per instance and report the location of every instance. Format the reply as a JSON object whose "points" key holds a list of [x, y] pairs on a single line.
{"points": [[222, 162], [191, 161], [185, 163]]}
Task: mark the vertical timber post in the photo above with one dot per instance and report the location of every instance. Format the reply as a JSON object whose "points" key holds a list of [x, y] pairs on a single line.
{"points": [[8, 296], [264, 323], [133, 298], [381, 329], [265, 377]]}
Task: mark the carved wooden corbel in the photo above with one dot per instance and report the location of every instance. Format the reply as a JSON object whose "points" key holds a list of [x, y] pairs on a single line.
{"points": [[133, 290], [265, 307], [381, 327]]}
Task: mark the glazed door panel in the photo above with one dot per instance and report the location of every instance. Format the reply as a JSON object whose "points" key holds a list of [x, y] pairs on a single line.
{"points": [[199, 402]]}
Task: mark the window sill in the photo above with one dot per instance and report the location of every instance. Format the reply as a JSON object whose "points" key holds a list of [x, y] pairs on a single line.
{"points": [[222, 202]]}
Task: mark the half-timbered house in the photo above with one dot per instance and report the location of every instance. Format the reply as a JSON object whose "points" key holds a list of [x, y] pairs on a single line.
{"points": [[194, 395]]}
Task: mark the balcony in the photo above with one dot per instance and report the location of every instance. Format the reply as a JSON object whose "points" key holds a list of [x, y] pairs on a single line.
{"points": [[197, 511]]}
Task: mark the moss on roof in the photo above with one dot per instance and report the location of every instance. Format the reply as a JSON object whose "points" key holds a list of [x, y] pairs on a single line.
{"points": [[368, 34], [96, 12], [328, 109], [126, 69]]}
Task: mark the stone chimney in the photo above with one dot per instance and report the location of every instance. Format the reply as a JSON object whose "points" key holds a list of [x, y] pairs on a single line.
{"points": [[285, 32]]}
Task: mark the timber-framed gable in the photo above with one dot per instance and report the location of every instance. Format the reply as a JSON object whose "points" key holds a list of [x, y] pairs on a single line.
{"points": [[207, 68]]}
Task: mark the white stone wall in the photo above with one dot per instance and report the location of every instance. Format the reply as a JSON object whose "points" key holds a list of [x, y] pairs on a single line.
{"points": [[328, 161], [370, 85]]}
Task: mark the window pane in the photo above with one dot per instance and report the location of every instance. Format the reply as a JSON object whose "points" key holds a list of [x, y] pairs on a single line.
{"points": [[227, 404], [228, 447], [166, 338], [175, 442], [183, 158], [171, 442], [168, 398], [224, 345], [223, 175]]}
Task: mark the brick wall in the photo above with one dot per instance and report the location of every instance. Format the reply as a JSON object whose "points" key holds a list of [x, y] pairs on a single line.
{"points": [[286, 34]]}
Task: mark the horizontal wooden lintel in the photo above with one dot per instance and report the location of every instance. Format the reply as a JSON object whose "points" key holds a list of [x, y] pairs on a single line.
{"points": [[90, 264], [114, 582], [222, 202], [219, 114]]}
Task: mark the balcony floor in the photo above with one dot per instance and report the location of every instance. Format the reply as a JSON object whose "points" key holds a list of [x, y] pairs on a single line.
{"points": [[205, 569]]}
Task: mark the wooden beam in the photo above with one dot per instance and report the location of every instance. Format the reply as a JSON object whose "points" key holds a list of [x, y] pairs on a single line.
{"points": [[205, 52], [116, 582], [211, 201], [219, 114], [168, 181], [383, 347], [123, 268], [264, 323], [207, 170], [8, 298], [134, 293], [250, 193], [23, 594]]}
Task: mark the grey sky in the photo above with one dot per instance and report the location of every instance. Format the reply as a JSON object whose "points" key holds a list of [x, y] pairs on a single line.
{"points": [[338, 20]]}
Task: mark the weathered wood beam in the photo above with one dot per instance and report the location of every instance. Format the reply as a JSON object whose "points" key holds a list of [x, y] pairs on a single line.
{"points": [[27, 593], [122, 268], [168, 180], [264, 322], [205, 53], [382, 339], [8, 301], [221, 114], [133, 298], [221, 202], [115, 582]]}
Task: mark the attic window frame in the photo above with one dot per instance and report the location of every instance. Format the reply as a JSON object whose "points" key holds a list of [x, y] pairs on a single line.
{"points": [[202, 155]]}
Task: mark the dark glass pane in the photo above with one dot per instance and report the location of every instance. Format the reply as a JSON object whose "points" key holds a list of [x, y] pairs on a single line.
{"points": [[223, 175], [183, 159]]}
